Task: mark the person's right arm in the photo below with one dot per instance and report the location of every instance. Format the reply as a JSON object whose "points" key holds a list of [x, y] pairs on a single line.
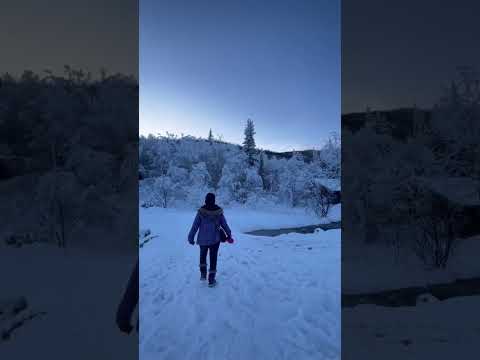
{"points": [[194, 229]]}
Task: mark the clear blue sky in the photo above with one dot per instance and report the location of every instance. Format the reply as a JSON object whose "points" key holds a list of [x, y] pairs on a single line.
{"points": [[88, 35], [213, 64], [404, 53]]}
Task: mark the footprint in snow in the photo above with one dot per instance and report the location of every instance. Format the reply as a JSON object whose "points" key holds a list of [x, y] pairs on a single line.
{"points": [[200, 315], [235, 286], [312, 321], [156, 312], [168, 298], [159, 298]]}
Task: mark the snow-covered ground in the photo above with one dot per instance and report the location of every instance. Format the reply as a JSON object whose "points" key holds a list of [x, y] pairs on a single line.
{"points": [[78, 291], [277, 298], [442, 330]]}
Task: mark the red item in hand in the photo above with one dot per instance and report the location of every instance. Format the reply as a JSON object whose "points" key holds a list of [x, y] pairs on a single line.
{"points": [[230, 240]]}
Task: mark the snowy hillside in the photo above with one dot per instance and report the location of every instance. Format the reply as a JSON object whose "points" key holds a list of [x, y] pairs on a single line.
{"points": [[277, 298], [178, 172]]}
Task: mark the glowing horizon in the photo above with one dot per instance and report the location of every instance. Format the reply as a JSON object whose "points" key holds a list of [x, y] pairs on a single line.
{"points": [[182, 123]]}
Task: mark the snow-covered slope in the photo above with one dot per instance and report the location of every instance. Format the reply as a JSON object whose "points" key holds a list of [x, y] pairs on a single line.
{"points": [[277, 298]]}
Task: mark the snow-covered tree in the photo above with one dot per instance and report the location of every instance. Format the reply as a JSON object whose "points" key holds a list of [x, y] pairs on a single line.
{"points": [[200, 174], [162, 191], [292, 180], [253, 181], [234, 177], [262, 171], [329, 157]]}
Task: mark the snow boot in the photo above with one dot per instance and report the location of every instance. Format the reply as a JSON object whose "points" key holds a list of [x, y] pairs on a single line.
{"points": [[203, 271], [211, 279]]}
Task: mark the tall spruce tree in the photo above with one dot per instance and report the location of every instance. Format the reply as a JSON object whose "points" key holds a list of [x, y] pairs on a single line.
{"points": [[249, 142], [210, 136]]}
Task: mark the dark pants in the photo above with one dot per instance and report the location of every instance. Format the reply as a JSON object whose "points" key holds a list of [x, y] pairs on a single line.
{"points": [[213, 250]]}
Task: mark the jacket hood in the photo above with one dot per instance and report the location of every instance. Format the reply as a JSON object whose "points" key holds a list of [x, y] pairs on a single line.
{"points": [[209, 211]]}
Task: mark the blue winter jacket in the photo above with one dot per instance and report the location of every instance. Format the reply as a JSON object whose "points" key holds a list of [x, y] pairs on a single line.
{"points": [[207, 223]]}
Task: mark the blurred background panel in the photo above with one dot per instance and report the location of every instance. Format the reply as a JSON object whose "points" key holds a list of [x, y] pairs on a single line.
{"points": [[410, 179], [68, 177]]}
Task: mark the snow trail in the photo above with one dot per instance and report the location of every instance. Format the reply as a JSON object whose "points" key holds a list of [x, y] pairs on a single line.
{"points": [[276, 298]]}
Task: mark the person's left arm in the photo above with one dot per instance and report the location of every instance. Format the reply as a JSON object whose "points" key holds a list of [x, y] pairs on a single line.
{"points": [[223, 223]]}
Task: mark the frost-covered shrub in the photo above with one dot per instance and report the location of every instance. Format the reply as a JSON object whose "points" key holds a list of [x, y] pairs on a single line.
{"points": [[319, 198], [161, 192], [436, 241]]}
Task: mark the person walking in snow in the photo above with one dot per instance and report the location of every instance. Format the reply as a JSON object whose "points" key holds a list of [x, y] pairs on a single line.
{"points": [[210, 223]]}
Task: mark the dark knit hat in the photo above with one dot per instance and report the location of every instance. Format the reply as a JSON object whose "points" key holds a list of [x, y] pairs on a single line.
{"points": [[210, 199]]}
